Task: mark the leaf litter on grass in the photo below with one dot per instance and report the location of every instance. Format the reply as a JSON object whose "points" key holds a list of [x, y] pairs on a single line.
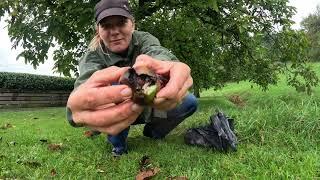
{"points": [[6, 126], [237, 100], [55, 147], [146, 169]]}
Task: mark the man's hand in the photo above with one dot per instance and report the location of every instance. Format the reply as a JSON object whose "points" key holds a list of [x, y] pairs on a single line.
{"points": [[102, 106], [176, 89]]}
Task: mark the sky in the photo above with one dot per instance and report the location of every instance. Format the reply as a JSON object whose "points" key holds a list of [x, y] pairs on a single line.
{"points": [[8, 62]]}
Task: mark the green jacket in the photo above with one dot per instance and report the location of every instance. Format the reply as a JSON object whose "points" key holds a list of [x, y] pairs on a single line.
{"points": [[141, 43]]}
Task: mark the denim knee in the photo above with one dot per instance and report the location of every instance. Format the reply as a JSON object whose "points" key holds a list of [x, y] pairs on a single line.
{"points": [[191, 102], [187, 107]]}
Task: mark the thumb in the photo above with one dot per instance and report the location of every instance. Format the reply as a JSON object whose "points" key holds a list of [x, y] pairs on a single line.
{"points": [[107, 76], [144, 61]]}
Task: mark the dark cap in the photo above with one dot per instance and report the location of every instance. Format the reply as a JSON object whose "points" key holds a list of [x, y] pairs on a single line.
{"points": [[106, 8]]}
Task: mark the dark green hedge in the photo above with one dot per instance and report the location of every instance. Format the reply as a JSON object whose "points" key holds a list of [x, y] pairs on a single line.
{"points": [[23, 81]]}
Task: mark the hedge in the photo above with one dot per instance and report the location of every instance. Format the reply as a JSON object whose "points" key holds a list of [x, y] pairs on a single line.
{"points": [[24, 81]]}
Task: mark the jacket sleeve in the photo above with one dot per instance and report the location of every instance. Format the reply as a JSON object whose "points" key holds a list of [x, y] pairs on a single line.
{"points": [[151, 46], [89, 63]]}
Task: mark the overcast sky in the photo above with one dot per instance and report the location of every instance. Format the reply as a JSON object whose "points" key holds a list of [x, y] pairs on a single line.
{"points": [[9, 63]]}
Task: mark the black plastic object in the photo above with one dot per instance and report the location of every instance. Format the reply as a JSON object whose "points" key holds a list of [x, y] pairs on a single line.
{"points": [[218, 134]]}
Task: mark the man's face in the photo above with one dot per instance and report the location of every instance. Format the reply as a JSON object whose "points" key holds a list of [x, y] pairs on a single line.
{"points": [[116, 33]]}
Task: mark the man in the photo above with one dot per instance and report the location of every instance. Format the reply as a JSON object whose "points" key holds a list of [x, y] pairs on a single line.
{"points": [[100, 103]]}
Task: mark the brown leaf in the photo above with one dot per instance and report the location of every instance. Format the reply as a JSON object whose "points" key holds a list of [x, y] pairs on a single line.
{"points": [[6, 126], [88, 133], [145, 163], [53, 172], [237, 100], [55, 147], [91, 133], [145, 175]]}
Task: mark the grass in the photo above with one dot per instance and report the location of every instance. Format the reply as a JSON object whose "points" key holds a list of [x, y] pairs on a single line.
{"points": [[278, 131]]}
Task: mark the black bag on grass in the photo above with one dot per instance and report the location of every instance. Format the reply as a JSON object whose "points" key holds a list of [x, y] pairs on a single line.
{"points": [[218, 134]]}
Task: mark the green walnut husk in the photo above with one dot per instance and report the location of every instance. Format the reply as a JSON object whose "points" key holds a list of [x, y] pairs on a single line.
{"points": [[145, 84]]}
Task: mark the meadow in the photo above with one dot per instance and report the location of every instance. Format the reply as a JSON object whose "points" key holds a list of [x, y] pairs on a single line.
{"points": [[278, 132]]}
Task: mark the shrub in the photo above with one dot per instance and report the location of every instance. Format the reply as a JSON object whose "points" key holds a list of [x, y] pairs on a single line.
{"points": [[24, 81]]}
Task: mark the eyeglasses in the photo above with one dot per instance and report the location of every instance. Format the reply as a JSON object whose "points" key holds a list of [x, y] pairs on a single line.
{"points": [[111, 22]]}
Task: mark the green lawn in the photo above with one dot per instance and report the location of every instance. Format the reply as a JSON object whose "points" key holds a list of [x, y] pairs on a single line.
{"points": [[278, 130]]}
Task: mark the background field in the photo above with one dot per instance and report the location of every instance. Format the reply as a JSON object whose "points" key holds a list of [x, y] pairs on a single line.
{"points": [[278, 131]]}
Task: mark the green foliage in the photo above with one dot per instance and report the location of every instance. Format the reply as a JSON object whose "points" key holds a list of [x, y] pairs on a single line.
{"points": [[22, 81], [311, 26], [221, 40], [230, 43]]}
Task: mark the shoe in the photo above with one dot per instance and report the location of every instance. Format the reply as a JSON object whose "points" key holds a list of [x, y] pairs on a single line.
{"points": [[149, 132], [118, 152]]}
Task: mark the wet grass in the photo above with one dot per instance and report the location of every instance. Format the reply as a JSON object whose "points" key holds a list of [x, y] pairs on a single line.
{"points": [[278, 131]]}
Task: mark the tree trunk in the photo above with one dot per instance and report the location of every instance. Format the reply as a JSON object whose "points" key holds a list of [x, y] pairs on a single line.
{"points": [[196, 91]]}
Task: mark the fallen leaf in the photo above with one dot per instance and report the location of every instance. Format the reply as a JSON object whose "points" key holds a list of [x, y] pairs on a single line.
{"points": [[237, 100], [53, 172], [144, 163], [6, 126], [91, 133], [146, 169], [144, 175], [55, 147]]}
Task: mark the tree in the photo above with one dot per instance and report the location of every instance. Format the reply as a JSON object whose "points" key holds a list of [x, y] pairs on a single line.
{"points": [[221, 40], [311, 26]]}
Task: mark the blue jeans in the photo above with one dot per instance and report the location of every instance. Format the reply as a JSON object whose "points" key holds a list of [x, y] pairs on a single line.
{"points": [[158, 127]]}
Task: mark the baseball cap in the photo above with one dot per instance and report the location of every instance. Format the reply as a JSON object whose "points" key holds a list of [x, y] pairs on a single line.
{"points": [[106, 8]]}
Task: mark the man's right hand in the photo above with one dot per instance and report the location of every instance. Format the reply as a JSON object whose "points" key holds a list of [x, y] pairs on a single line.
{"points": [[102, 106]]}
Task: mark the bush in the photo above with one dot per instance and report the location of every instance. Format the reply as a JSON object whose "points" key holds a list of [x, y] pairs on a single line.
{"points": [[23, 81]]}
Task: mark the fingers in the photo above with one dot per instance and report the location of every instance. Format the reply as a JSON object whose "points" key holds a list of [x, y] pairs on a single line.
{"points": [[96, 91], [117, 127], [106, 76], [178, 72], [179, 75], [167, 104], [158, 66], [91, 98], [109, 116], [184, 90]]}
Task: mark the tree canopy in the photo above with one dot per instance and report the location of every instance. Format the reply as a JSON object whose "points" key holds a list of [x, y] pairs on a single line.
{"points": [[221, 40], [311, 25]]}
